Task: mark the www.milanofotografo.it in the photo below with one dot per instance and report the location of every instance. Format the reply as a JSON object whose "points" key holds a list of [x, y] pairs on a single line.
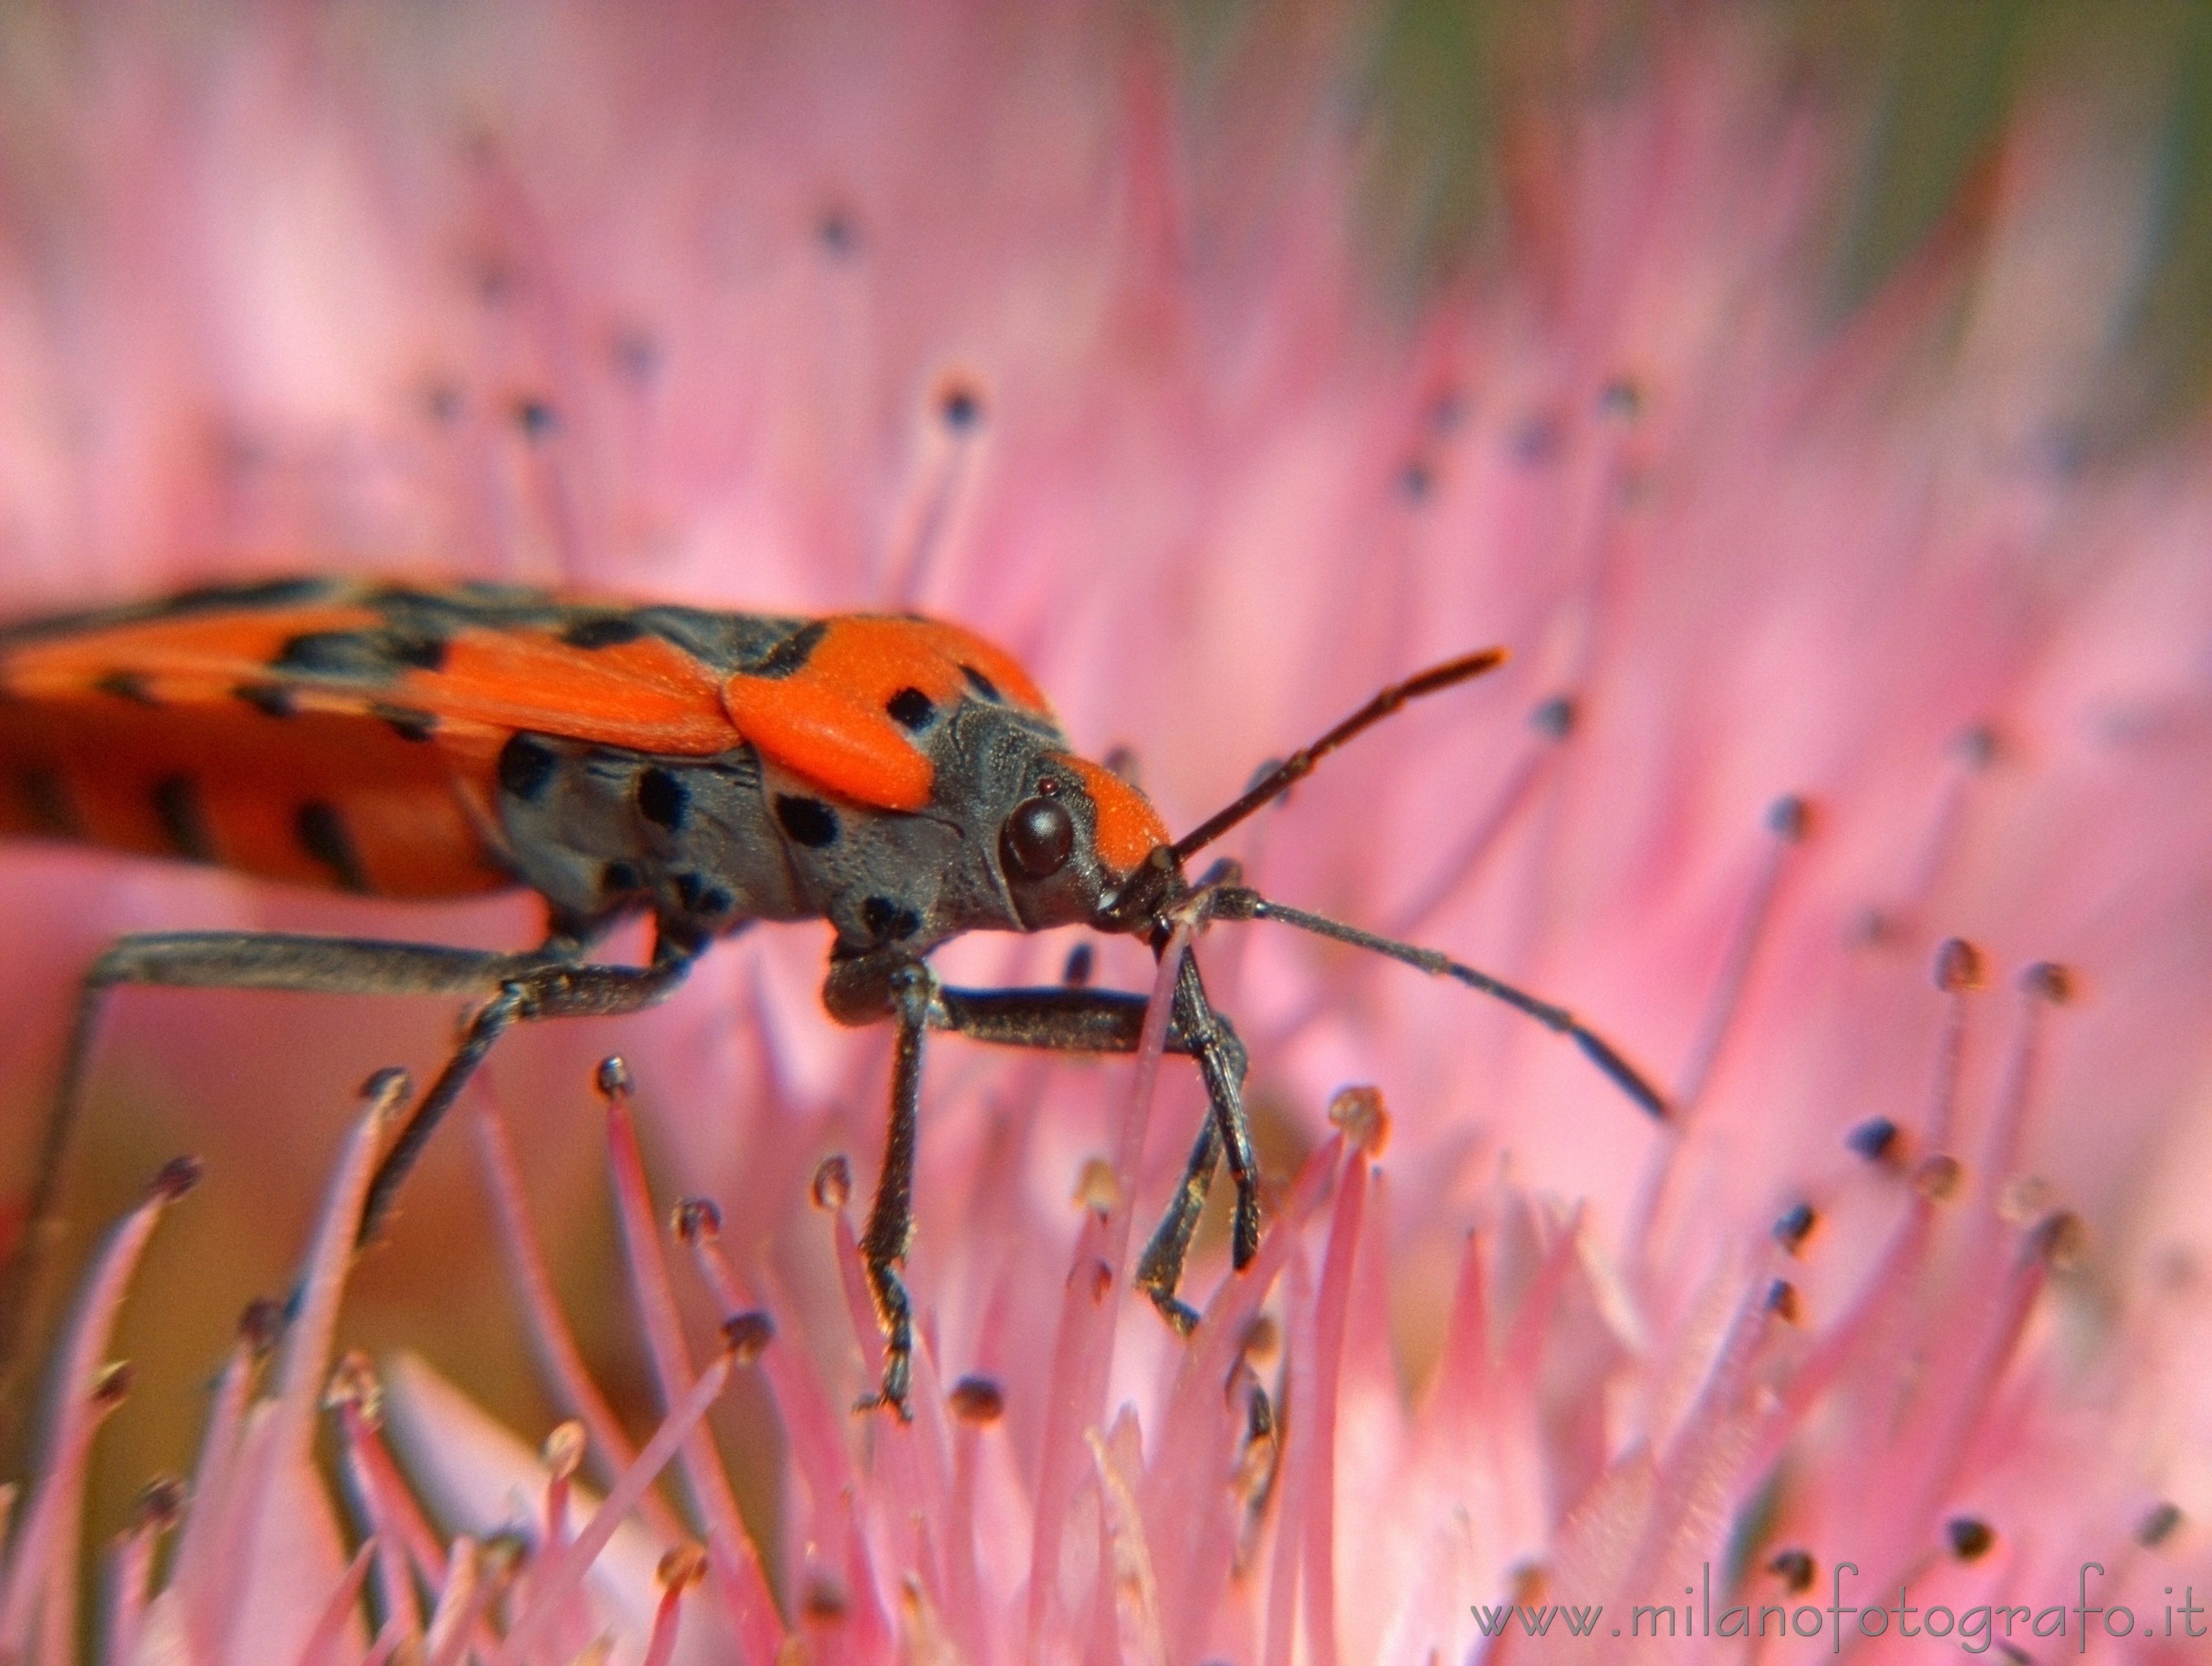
{"points": [[1975, 1629]]}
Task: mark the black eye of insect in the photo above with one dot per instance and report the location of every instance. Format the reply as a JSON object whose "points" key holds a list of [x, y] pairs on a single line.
{"points": [[1038, 838]]}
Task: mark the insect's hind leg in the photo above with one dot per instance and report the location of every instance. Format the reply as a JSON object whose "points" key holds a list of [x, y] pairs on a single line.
{"points": [[542, 982]]}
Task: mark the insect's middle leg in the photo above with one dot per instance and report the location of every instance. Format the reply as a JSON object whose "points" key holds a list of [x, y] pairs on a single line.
{"points": [[890, 1217]]}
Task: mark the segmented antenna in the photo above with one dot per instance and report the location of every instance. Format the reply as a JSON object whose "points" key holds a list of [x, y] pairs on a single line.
{"points": [[1300, 764], [1243, 902]]}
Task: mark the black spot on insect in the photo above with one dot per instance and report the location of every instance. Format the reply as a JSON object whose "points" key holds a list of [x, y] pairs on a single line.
{"points": [[619, 880], [270, 699], [422, 652], [408, 722], [911, 709], [127, 685], [363, 655], [887, 923], [333, 653], [184, 820], [662, 798], [45, 795], [697, 896], [982, 684], [791, 653], [808, 821], [525, 765], [604, 630], [324, 836], [536, 418], [229, 598]]}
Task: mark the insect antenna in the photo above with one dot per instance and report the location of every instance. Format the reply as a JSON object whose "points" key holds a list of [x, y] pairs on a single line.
{"points": [[1300, 764], [1232, 901]]}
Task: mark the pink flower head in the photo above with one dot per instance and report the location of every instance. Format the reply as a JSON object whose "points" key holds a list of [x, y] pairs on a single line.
{"points": [[1847, 775]]}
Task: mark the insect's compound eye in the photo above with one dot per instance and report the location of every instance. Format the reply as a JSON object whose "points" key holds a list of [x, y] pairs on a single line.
{"points": [[1038, 838]]}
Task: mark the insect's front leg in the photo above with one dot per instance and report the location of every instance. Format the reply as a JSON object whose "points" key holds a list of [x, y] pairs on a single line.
{"points": [[1079, 1020], [1221, 1065]]}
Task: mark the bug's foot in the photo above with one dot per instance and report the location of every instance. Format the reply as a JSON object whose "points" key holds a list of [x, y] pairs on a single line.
{"points": [[1181, 1316], [898, 1379]]}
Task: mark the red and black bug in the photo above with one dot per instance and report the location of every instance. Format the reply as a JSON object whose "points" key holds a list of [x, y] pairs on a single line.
{"points": [[898, 778]]}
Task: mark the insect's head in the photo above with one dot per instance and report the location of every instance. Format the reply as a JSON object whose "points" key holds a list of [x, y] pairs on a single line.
{"points": [[1071, 846]]}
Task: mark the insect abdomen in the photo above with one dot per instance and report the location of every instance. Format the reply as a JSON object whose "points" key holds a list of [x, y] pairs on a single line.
{"points": [[353, 803]]}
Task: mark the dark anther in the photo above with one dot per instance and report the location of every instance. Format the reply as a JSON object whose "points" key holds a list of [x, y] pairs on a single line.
{"points": [[695, 1219], [612, 1078], [535, 418], [1789, 818], [1555, 719], [1793, 1567], [1038, 838], [833, 1182], [174, 1178], [111, 1385], [748, 1335], [977, 1400], [1959, 966], [261, 1324], [1873, 1139], [1978, 747], [1969, 1539], [961, 407], [2158, 1524], [1795, 1227], [162, 1502]]}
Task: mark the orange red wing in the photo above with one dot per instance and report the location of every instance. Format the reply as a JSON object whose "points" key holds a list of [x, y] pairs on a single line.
{"points": [[338, 733]]}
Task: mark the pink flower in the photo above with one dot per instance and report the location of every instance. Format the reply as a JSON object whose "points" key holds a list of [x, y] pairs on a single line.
{"points": [[1853, 580]]}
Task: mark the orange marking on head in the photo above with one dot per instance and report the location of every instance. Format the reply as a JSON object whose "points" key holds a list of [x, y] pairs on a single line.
{"points": [[829, 720], [1128, 826]]}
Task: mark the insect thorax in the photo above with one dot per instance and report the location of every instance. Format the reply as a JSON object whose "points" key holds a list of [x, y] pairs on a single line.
{"points": [[707, 844]]}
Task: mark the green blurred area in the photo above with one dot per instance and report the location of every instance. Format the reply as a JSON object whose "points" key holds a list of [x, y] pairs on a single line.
{"points": [[1449, 90]]}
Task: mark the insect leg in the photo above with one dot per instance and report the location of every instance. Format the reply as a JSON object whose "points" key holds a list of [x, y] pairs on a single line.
{"points": [[535, 983], [540, 991], [1221, 1065], [200, 960], [1109, 1021], [890, 1217]]}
